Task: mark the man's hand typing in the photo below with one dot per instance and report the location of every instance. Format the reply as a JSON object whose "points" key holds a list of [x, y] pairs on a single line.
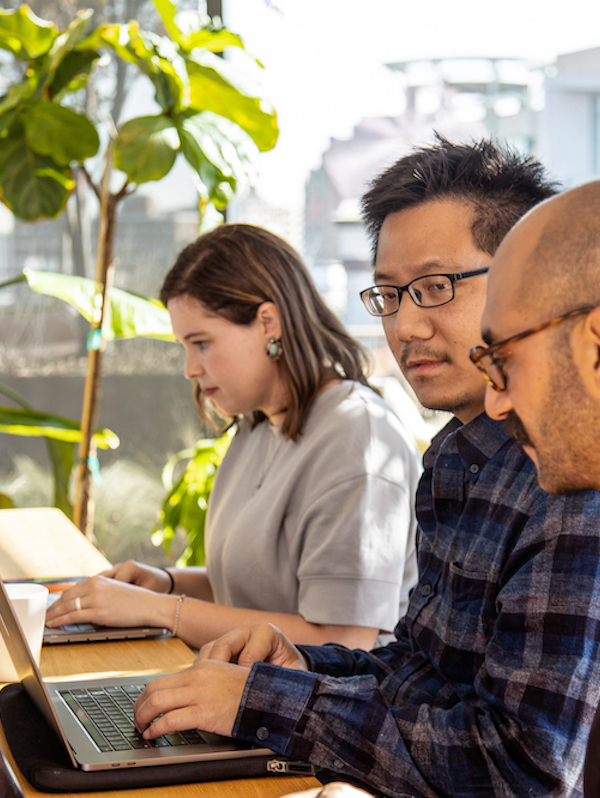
{"points": [[205, 696], [252, 643]]}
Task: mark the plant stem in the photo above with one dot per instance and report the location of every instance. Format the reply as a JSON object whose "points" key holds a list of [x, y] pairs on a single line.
{"points": [[15, 396], [14, 281], [83, 515]]}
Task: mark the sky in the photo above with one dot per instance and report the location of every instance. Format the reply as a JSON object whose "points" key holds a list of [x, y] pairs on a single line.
{"points": [[324, 60]]}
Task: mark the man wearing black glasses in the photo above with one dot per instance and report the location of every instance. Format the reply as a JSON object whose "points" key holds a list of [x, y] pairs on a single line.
{"points": [[481, 695]]}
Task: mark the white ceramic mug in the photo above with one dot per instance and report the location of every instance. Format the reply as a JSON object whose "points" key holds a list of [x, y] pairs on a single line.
{"points": [[29, 601]]}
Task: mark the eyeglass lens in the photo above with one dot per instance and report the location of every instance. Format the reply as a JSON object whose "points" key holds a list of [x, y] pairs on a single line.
{"points": [[429, 291], [493, 369]]}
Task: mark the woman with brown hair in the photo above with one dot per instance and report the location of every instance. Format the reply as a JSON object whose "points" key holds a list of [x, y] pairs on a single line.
{"points": [[310, 522]]}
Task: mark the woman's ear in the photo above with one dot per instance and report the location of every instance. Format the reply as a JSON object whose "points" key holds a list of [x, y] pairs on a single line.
{"points": [[268, 317]]}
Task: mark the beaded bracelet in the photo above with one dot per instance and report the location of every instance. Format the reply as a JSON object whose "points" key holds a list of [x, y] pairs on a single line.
{"points": [[170, 575], [177, 611]]}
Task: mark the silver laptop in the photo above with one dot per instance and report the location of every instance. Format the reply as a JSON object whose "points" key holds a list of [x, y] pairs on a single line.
{"points": [[78, 711], [94, 633]]}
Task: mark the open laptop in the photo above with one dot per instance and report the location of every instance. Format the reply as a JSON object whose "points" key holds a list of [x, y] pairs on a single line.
{"points": [[78, 713], [94, 633]]}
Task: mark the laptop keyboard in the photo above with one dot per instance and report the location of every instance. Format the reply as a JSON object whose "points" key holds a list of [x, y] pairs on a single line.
{"points": [[106, 713]]}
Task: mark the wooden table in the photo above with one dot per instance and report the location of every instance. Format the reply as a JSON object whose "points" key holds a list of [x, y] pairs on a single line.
{"points": [[110, 658]]}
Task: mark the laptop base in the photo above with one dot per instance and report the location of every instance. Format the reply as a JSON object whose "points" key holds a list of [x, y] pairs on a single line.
{"points": [[42, 759]]}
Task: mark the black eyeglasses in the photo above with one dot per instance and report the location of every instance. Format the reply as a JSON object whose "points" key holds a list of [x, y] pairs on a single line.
{"points": [[426, 292], [492, 366]]}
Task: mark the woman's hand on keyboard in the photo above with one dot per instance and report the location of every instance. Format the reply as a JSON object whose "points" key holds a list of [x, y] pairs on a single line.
{"points": [[136, 573], [109, 602]]}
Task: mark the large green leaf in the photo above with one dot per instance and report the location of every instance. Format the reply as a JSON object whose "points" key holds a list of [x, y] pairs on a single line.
{"points": [[67, 39], [167, 11], [213, 185], [212, 88], [159, 58], [219, 151], [156, 56], [186, 503], [30, 184], [59, 133], [115, 36], [214, 40], [25, 34], [17, 93], [130, 315], [62, 455], [146, 148], [20, 421], [190, 30], [72, 73]]}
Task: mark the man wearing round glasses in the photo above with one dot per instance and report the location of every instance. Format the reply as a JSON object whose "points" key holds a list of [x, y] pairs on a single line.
{"points": [[542, 326], [542, 363], [481, 694]]}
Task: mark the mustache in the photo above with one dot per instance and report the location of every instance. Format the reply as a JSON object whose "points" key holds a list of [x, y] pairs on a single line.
{"points": [[515, 428], [415, 352]]}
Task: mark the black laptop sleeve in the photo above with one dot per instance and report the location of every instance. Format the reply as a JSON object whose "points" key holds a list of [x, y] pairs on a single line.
{"points": [[42, 759]]}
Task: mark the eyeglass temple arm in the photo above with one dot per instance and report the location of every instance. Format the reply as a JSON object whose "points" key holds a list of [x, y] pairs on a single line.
{"points": [[463, 275]]}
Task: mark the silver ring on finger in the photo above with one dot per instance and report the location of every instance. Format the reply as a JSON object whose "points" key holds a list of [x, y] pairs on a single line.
{"points": [[77, 603]]}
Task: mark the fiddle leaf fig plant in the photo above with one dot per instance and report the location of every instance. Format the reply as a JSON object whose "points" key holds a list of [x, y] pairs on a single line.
{"points": [[207, 112]]}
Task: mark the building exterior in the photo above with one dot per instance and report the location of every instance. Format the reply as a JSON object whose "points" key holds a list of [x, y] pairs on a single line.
{"points": [[550, 111], [569, 123]]}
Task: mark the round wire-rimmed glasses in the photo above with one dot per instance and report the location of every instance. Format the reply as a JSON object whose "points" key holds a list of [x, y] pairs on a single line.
{"points": [[429, 291], [491, 366]]}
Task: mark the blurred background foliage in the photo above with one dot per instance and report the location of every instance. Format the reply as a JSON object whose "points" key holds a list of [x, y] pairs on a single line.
{"points": [[66, 91]]}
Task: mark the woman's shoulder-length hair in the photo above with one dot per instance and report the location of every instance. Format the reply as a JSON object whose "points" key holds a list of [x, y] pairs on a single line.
{"points": [[232, 270]]}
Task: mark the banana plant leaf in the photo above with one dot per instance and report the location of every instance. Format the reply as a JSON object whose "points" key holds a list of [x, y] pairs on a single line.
{"points": [[130, 315], [59, 434], [62, 457], [29, 422]]}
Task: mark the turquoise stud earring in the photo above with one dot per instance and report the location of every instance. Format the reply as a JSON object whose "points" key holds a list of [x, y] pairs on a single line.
{"points": [[274, 349]]}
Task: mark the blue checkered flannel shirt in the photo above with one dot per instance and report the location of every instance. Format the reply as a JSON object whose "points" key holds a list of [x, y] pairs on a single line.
{"points": [[491, 687]]}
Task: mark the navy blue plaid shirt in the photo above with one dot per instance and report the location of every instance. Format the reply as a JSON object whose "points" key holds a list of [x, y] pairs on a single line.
{"points": [[491, 687]]}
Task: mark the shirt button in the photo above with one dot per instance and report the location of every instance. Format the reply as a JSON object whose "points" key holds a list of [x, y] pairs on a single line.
{"points": [[337, 764], [262, 732], [474, 468], [425, 590]]}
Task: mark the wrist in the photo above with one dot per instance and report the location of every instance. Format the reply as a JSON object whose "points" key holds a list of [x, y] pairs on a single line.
{"points": [[177, 614], [171, 587]]}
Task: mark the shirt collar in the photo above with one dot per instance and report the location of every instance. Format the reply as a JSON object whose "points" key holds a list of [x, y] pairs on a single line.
{"points": [[476, 442]]}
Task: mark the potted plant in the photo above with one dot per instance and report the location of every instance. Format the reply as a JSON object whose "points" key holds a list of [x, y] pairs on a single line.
{"points": [[207, 114]]}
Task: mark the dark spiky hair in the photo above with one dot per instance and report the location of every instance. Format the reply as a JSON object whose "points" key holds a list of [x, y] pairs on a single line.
{"points": [[498, 182]]}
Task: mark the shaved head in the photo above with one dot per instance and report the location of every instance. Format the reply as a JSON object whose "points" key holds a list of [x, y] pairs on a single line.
{"points": [[547, 267], [559, 251]]}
